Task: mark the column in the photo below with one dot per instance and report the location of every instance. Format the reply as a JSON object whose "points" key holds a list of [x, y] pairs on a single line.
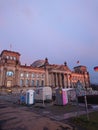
{"points": [[49, 79], [46, 78], [67, 80], [53, 81], [56, 79], [60, 80], [4, 76], [64, 81], [17, 79]]}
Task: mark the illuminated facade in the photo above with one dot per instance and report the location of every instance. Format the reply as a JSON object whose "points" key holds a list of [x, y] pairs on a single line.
{"points": [[39, 73]]}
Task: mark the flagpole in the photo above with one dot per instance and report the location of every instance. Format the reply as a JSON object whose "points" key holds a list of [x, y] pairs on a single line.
{"points": [[78, 62], [10, 47]]}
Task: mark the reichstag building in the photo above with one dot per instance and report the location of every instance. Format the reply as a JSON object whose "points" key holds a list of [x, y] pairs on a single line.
{"points": [[39, 73]]}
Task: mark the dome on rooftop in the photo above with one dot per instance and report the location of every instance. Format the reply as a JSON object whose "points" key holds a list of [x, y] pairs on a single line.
{"points": [[38, 63]]}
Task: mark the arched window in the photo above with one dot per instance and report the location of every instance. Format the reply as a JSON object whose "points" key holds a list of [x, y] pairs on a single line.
{"points": [[9, 73]]}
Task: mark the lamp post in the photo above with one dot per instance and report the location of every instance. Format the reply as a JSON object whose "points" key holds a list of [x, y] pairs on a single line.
{"points": [[80, 91]]}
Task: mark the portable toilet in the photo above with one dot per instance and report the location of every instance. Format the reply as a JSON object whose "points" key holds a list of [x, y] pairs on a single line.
{"points": [[64, 96], [61, 96], [22, 99], [30, 97]]}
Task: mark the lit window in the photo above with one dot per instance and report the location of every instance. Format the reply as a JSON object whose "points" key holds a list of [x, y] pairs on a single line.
{"points": [[11, 57], [21, 74], [7, 57], [10, 73], [14, 58], [27, 75]]}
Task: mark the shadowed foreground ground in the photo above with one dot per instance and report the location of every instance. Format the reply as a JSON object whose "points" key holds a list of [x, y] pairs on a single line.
{"points": [[13, 117]]}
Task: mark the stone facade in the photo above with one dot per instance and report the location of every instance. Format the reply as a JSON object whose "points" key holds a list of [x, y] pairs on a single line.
{"points": [[39, 73]]}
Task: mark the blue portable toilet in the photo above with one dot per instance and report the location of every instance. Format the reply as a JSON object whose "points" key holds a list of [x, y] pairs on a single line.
{"points": [[22, 99], [30, 97]]}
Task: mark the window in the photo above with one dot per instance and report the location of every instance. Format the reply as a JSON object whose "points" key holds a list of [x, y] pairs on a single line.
{"points": [[21, 82], [42, 83], [21, 74], [10, 73], [43, 75], [11, 57], [37, 83], [14, 58], [27, 82], [27, 75], [33, 75], [7, 57], [33, 83], [37, 75]]}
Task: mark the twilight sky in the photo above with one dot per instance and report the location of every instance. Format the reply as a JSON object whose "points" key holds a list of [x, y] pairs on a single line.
{"points": [[61, 30]]}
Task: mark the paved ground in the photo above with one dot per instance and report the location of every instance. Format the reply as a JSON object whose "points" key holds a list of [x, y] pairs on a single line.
{"points": [[36, 117]]}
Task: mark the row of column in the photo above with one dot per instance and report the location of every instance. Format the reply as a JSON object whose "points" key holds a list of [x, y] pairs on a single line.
{"points": [[60, 80]]}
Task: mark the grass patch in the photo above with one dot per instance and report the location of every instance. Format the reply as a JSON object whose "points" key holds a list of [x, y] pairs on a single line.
{"points": [[58, 109], [91, 124]]}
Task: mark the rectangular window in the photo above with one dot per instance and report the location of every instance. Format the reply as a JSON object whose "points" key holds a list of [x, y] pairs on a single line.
{"points": [[37, 83], [32, 83], [42, 83], [21, 74], [33, 75], [27, 75], [21, 82], [27, 82]]}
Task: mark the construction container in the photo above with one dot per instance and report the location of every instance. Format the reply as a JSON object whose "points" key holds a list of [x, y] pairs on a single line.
{"points": [[43, 93]]}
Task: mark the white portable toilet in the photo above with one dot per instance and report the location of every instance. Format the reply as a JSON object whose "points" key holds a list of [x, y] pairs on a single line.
{"points": [[30, 97]]}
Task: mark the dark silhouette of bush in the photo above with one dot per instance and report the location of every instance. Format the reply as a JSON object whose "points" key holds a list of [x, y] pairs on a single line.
{"points": [[91, 99]]}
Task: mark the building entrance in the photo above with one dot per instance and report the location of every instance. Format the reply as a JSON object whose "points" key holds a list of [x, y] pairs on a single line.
{"points": [[9, 83]]}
